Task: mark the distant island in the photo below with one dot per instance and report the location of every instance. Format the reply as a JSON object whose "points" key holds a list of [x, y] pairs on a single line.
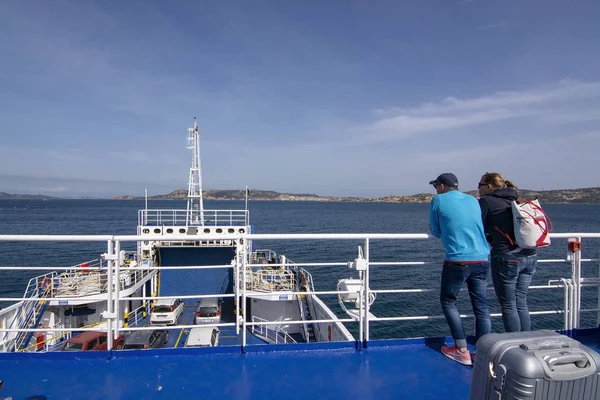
{"points": [[10, 196], [560, 196]]}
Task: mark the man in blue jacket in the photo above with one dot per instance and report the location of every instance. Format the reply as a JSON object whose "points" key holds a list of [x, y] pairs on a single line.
{"points": [[455, 217]]}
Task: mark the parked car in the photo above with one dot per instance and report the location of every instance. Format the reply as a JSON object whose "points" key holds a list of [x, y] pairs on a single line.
{"points": [[92, 340], [139, 340], [209, 311], [166, 312], [203, 337]]}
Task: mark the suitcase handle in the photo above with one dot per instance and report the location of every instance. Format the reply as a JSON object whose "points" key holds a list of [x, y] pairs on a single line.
{"points": [[546, 345], [580, 360]]}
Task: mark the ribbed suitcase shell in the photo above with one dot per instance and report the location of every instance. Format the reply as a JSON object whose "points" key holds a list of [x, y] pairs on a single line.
{"points": [[539, 365]]}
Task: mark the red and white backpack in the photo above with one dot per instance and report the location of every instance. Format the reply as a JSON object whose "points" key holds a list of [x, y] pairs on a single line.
{"points": [[532, 225]]}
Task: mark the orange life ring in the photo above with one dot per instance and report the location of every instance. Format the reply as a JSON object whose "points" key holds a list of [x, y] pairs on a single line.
{"points": [[44, 283]]}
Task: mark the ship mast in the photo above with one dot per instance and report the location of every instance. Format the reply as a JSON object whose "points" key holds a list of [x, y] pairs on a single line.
{"points": [[195, 207]]}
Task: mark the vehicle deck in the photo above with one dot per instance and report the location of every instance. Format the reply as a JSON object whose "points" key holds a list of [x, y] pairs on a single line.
{"points": [[407, 369]]}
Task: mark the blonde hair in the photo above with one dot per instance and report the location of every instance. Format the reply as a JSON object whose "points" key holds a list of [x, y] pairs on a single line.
{"points": [[497, 181]]}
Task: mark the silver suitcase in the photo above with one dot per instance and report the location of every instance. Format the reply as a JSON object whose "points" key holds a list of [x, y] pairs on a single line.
{"points": [[540, 365]]}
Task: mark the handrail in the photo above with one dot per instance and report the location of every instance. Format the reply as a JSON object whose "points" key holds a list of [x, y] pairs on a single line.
{"points": [[571, 287], [278, 331], [180, 218]]}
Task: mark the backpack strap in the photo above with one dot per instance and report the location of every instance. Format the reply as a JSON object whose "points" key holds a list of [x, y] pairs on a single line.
{"points": [[506, 235]]}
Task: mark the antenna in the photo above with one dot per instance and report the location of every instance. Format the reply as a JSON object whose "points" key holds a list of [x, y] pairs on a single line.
{"points": [[195, 207]]}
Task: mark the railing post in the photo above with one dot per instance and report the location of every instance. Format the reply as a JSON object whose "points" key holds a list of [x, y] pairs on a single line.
{"points": [[576, 272], [236, 281], [361, 317], [244, 256], [117, 289], [366, 283], [109, 295], [569, 304], [598, 313]]}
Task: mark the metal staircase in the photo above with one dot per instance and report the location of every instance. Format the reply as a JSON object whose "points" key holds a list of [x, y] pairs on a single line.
{"points": [[31, 312], [309, 333]]}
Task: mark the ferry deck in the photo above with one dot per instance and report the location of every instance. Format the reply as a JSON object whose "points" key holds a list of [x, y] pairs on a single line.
{"points": [[391, 369], [363, 368]]}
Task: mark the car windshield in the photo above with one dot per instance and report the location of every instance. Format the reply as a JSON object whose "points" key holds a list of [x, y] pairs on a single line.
{"points": [[133, 346], [73, 346], [207, 312], [162, 309]]}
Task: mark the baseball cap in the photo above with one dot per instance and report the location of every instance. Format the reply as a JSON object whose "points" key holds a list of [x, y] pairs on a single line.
{"points": [[447, 178]]}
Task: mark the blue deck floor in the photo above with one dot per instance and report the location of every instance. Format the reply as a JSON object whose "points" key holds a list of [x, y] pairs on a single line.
{"points": [[410, 369], [227, 336]]}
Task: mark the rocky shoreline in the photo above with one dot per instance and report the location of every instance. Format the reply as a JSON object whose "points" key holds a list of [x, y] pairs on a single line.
{"points": [[560, 196], [564, 196]]}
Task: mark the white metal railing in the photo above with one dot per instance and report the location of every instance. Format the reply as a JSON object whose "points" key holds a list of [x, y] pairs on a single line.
{"points": [[181, 218], [571, 287], [276, 335]]}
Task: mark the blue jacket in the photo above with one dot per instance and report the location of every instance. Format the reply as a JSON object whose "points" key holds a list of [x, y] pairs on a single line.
{"points": [[455, 218]]}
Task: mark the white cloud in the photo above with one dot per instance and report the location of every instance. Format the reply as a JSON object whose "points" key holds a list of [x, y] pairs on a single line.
{"points": [[54, 189], [569, 98]]}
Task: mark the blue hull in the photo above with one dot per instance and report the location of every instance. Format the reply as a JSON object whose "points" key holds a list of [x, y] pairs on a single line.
{"points": [[396, 369]]}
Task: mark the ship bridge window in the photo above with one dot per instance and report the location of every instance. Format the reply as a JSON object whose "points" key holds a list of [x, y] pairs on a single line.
{"points": [[79, 311], [231, 230], [219, 230], [206, 230]]}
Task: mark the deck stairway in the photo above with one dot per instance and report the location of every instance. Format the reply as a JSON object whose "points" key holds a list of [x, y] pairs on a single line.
{"points": [[275, 334], [305, 284], [31, 312], [309, 333]]}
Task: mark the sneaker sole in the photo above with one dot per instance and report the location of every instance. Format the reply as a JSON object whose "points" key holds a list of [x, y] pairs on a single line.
{"points": [[463, 362]]}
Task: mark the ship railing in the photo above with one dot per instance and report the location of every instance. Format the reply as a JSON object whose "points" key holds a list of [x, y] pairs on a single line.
{"points": [[275, 280], [262, 256], [276, 335], [571, 285], [28, 314], [183, 217]]}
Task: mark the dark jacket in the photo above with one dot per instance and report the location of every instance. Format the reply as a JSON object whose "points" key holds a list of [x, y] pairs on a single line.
{"points": [[496, 213]]}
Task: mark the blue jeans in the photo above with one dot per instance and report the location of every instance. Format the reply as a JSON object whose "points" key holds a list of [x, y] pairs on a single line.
{"points": [[512, 275], [453, 278]]}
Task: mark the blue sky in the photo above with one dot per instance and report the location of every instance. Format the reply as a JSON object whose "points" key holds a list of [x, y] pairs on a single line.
{"points": [[350, 98]]}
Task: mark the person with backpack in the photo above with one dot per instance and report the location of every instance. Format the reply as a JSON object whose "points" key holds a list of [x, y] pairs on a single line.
{"points": [[513, 267], [455, 218]]}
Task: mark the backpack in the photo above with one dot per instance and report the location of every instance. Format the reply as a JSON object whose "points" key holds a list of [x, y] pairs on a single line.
{"points": [[532, 225]]}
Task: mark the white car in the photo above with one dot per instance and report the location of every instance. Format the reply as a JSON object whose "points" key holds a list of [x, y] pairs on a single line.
{"points": [[166, 312], [203, 337], [209, 311]]}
